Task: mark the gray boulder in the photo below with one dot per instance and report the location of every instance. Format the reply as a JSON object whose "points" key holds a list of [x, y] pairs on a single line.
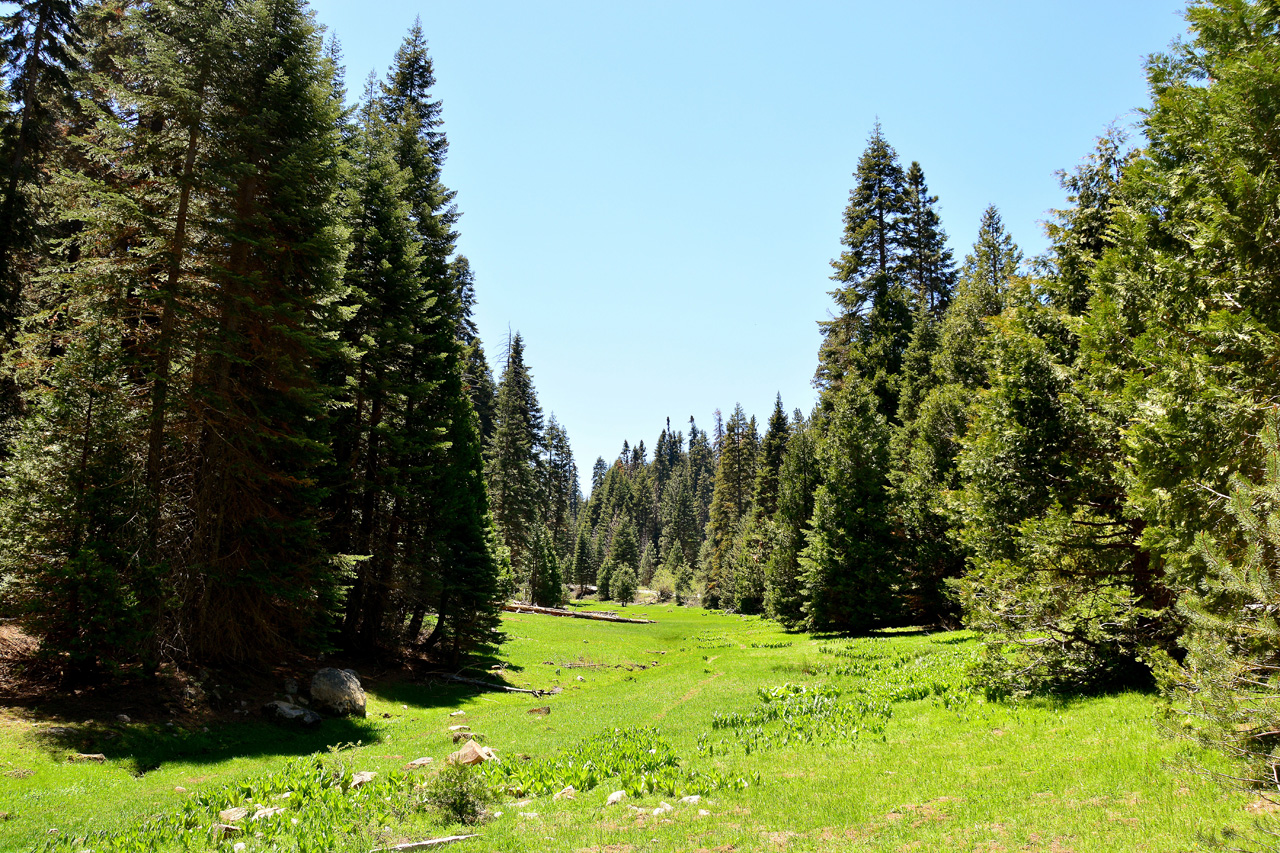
{"points": [[337, 692], [285, 712]]}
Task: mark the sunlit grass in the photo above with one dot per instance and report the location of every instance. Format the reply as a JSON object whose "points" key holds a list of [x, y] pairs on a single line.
{"points": [[874, 743]]}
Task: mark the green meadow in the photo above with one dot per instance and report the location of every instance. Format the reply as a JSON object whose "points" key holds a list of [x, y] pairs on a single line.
{"points": [[788, 742]]}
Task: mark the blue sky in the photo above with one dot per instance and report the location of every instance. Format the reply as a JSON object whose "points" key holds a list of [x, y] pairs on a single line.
{"points": [[652, 191]]}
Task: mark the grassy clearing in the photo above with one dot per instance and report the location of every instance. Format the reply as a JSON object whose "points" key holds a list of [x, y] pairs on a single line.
{"points": [[791, 742]]}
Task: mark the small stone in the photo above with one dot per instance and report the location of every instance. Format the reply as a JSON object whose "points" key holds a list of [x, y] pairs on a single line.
{"points": [[663, 808], [459, 728], [290, 687], [461, 736], [238, 846], [703, 813], [89, 756], [472, 753], [178, 789], [522, 804], [693, 799], [285, 712], [568, 793], [286, 795], [541, 712], [418, 762], [225, 830], [364, 777], [580, 678], [458, 714], [528, 814], [615, 798], [262, 814], [234, 814], [123, 718]]}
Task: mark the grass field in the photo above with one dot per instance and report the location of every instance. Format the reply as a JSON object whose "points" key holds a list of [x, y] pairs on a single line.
{"points": [[792, 742]]}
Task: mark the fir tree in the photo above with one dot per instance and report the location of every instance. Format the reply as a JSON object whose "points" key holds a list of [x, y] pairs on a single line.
{"points": [[850, 574], [511, 460], [929, 271]]}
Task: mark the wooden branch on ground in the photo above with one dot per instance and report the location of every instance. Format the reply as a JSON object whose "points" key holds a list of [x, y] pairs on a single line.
{"points": [[488, 685], [422, 845], [597, 615]]}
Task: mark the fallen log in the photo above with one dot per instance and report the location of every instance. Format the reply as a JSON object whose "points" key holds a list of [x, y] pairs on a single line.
{"points": [[488, 685], [422, 845], [597, 615]]}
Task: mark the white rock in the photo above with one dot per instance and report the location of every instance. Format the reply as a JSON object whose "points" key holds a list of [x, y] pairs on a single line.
{"points": [[567, 793], [418, 762], [703, 813], [262, 814], [238, 846], [693, 799], [459, 728], [364, 777], [233, 815], [663, 808], [615, 798], [458, 714]]}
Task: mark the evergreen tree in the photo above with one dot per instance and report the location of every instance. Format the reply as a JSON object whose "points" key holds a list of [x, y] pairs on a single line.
{"points": [[546, 587], [511, 463], [731, 501], [929, 270], [798, 481], [872, 309], [850, 573]]}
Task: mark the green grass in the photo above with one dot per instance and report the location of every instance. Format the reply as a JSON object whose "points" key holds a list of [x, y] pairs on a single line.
{"points": [[794, 743]]}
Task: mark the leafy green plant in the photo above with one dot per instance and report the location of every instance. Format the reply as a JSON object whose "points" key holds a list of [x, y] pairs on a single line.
{"points": [[459, 793]]}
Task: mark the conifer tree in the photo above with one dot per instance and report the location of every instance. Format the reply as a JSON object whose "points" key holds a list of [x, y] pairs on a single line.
{"points": [[850, 572], [929, 270], [511, 460], [731, 501], [546, 588], [798, 481]]}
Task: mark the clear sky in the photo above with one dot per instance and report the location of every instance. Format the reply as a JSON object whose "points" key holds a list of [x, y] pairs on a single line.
{"points": [[652, 191]]}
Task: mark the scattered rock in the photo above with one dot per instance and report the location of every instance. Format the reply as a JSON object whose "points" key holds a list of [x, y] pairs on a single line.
{"points": [[286, 712], [61, 731], [692, 799], [337, 692], [286, 795], [663, 808], [89, 756], [541, 712], [528, 814], [418, 762], [458, 714], [703, 813], [459, 728], [238, 847], [234, 814], [472, 753], [364, 777], [521, 804], [567, 794], [580, 678], [178, 789], [123, 718], [556, 691], [615, 798], [461, 736], [290, 687], [262, 814]]}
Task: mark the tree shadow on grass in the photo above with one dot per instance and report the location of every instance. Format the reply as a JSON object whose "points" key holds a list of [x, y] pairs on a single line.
{"points": [[149, 746]]}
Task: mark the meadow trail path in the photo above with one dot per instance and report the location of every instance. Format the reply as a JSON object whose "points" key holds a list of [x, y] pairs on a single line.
{"points": [[694, 691]]}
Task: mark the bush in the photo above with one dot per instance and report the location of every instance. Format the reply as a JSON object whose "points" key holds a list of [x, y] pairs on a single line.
{"points": [[459, 793], [664, 584], [622, 586]]}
